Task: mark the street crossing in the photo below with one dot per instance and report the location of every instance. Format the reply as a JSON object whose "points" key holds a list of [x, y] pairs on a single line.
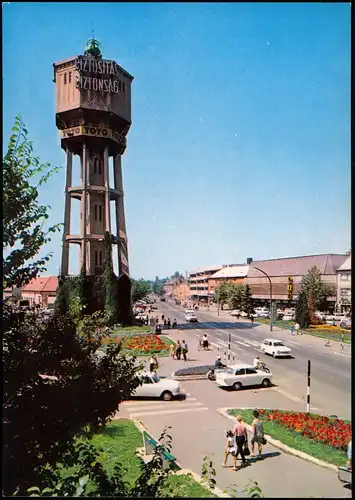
{"points": [[144, 408]]}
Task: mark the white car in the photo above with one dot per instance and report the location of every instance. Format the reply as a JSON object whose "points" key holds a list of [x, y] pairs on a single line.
{"points": [[288, 317], [262, 314], [243, 314], [275, 347], [191, 318], [189, 311], [155, 387], [242, 375]]}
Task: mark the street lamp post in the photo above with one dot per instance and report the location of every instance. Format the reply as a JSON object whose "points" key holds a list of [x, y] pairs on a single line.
{"points": [[268, 277]]}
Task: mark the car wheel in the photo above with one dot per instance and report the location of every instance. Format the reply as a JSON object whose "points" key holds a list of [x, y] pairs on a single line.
{"points": [[167, 396], [237, 386], [266, 382], [273, 355]]}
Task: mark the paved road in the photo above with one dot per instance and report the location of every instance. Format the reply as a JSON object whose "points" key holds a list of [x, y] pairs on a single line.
{"points": [[198, 429], [331, 369]]}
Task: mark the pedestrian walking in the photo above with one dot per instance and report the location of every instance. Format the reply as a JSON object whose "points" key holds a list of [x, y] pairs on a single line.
{"points": [[252, 319], [162, 317], [172, 350], [258, 434], [169, 323], [230, 450], [241, 437], [178, 350], [184, 349], [165, 322], [174, 323], [153, 363], [297, 327], [292, 329]]}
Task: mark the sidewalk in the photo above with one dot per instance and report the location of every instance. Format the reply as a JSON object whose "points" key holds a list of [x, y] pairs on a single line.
{"points": [[302, 339]]}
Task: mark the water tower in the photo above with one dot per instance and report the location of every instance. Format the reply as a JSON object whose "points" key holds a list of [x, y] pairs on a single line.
{"points": [[93, 114]]}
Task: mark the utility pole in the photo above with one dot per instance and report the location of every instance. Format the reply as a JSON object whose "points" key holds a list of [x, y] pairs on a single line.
{"points": [[308, 387], [229, 348], [268, 277]]}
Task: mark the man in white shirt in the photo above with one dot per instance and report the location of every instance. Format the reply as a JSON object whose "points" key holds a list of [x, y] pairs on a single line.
{"points": [[256, 362]]}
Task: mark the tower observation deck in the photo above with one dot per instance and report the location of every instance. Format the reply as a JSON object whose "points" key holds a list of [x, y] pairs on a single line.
{"points": [[93, 114]]}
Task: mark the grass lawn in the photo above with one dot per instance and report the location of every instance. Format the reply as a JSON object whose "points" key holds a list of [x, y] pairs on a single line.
{"points": [[290, 438], [120, 439], [315, 332], [130, 330]]}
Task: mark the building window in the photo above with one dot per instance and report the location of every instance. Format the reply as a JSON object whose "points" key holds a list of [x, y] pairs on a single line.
{"points": [[65, 78], [95, 256], [95, 212], [344, 277], [345, 292], [100, 212], [69, 76]]}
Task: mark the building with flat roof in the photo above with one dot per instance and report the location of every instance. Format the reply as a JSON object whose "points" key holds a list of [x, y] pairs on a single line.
{"points": [[286, 275], [344, 286], [233, 274]]}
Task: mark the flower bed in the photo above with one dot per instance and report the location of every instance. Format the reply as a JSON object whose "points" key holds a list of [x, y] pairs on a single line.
{"points": [[336, 329], [322, 437], [330, 431], [141, 345]]}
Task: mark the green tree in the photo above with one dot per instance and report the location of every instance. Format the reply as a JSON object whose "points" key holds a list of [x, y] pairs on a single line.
{"points": [[235, 295], [140, 289], [223, 293], [302, 314], [109, 282], [314, 287], [82, 393], [247, 299], [23, 216]]}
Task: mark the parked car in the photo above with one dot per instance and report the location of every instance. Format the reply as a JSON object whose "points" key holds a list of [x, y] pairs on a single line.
{"points": [[263, 314], [189, 311], [242, 375], [244, 314], [156, 387], [275, 347], [191, 318], [288, 317]]}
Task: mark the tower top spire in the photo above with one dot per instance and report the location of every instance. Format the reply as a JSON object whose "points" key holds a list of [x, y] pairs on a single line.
{"points": [[93, 48]]}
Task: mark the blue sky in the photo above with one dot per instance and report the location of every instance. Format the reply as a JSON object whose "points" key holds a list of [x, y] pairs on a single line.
{"points": [[240, 137]]}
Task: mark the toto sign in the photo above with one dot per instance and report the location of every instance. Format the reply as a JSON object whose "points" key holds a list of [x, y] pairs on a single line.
{"points": [[93, 131]]}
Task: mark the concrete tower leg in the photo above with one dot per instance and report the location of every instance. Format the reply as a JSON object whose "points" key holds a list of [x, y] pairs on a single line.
{"points": [[83, 207], [66, 230], [107, 191], [122, 246]]}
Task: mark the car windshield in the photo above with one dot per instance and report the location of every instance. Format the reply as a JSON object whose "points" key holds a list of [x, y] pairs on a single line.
{"points": [[155, 378], [229, 371], [279, 344]]}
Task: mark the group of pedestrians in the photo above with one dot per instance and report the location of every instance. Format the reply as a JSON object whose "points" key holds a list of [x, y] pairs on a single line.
{"points": [[178, 349], [237, 440], [167, 322]]}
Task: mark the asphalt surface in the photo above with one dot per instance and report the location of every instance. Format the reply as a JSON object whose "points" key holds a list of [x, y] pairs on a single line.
{"points": [[330, 369]]}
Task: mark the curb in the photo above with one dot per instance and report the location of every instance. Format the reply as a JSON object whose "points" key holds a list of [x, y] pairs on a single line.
{"points": [[280, 445], [141, 427], [188, 377]]}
